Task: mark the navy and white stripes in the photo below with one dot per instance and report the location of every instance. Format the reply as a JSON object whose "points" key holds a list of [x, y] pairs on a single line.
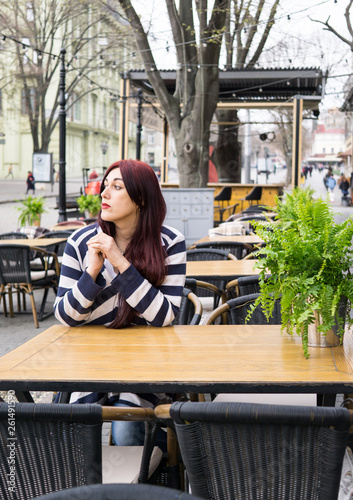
{"points": [[81, 301]]}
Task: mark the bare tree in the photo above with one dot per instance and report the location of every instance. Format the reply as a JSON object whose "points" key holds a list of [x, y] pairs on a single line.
{"points": [[46, 27], [329, 27], [189, 111], [247, 28]]}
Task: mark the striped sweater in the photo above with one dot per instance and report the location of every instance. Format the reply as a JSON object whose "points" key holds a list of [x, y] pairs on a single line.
{"points": [[83, 301]]}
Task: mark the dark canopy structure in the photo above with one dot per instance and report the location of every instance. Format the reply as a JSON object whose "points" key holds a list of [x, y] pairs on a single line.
{"points": [[253, 85], [296, 88]]}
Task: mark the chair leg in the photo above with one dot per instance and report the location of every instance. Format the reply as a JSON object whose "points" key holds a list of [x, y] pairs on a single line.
{"points": [[10, 302], [34, 310], [3, 296]]}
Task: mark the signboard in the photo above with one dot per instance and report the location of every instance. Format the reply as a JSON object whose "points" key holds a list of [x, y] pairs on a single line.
{"points": [[42, 167]]}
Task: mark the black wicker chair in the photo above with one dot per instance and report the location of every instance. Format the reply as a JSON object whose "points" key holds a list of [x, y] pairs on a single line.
{"points": [[59, 446], [120, 492], [13, 235], [16, 274], [236, 248], [190, 311], [210, 254], [236, 451], [235, 311], [245, 285]]}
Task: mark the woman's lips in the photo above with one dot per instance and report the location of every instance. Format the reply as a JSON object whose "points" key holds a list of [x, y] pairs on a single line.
{"points": [[104, 206]]}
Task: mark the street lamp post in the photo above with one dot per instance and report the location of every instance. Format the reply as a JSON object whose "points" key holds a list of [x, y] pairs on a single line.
{"points": [[62, 140]]}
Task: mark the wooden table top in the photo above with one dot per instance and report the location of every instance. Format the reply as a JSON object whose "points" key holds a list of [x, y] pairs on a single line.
{"points": [[251, 239], [222, 269], [212, 358], [33, 242]]}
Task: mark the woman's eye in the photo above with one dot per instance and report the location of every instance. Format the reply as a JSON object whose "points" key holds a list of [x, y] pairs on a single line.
{"points": [[117, 186]]}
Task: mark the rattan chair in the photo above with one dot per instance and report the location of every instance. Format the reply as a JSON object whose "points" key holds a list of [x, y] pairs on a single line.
{"points": [[190, 310], [235, 312], [210, 254], [16, 275], [245, 285], [120, 492], [13, 235], [237, 248], [200, 288], [236, 451], [59, 446]]}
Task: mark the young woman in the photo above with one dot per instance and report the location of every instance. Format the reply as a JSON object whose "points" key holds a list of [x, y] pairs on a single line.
{"points": [[128, 269]]}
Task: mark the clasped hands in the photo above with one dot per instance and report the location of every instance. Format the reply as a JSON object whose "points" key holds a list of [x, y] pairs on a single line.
{"points": [[102, 247]]}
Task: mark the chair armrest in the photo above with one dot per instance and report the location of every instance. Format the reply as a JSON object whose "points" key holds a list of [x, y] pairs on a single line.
{"points": [[44, 257], [213, 315]]}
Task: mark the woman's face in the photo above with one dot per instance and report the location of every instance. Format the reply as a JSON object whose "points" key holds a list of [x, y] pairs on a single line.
{"points": [[117, 206]]}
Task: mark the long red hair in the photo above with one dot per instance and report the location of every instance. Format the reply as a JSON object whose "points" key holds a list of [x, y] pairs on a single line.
{"points": [[145, 250]]}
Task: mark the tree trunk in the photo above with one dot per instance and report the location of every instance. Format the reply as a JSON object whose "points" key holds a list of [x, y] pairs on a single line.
{"points": [[227, 150], [192, 153]]}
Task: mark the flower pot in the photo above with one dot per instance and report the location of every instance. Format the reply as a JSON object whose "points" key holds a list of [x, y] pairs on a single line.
{"points": [[329, 339], [36, 222]]}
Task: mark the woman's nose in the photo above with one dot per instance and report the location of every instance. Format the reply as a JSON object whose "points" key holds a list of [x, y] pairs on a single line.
{"points": [[105, 192]]}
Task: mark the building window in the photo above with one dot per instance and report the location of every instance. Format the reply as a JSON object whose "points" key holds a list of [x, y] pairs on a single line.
{"points": [[115, 119], [332, 150], [150, 159], [150, 139], [32, 93], [74, 107], [104, 117], [324, 150], [94, 110]]}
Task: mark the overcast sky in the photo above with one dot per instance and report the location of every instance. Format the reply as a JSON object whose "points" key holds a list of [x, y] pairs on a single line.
{"points": [[310, 45]]}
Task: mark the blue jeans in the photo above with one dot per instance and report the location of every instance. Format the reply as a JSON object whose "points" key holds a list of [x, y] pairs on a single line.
{"points": [[133, 433]]}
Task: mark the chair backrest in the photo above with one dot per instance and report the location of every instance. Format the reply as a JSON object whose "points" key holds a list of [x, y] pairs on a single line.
{"points": [[225, 194], [204, 289], [237, 248], [255, 194], [206, 254], [15, 264], [190, 310], [237, 311], [57, 446], [252, 451], [120, 492], [14, 235]]}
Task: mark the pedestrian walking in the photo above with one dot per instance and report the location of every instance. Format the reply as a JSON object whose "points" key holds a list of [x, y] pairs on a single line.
{"points": [[9, 172], [30, 182]]}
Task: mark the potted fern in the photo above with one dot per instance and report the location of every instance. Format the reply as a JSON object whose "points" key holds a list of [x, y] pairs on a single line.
{"points": [[89, 204], [309, 257], [31, 210]]}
